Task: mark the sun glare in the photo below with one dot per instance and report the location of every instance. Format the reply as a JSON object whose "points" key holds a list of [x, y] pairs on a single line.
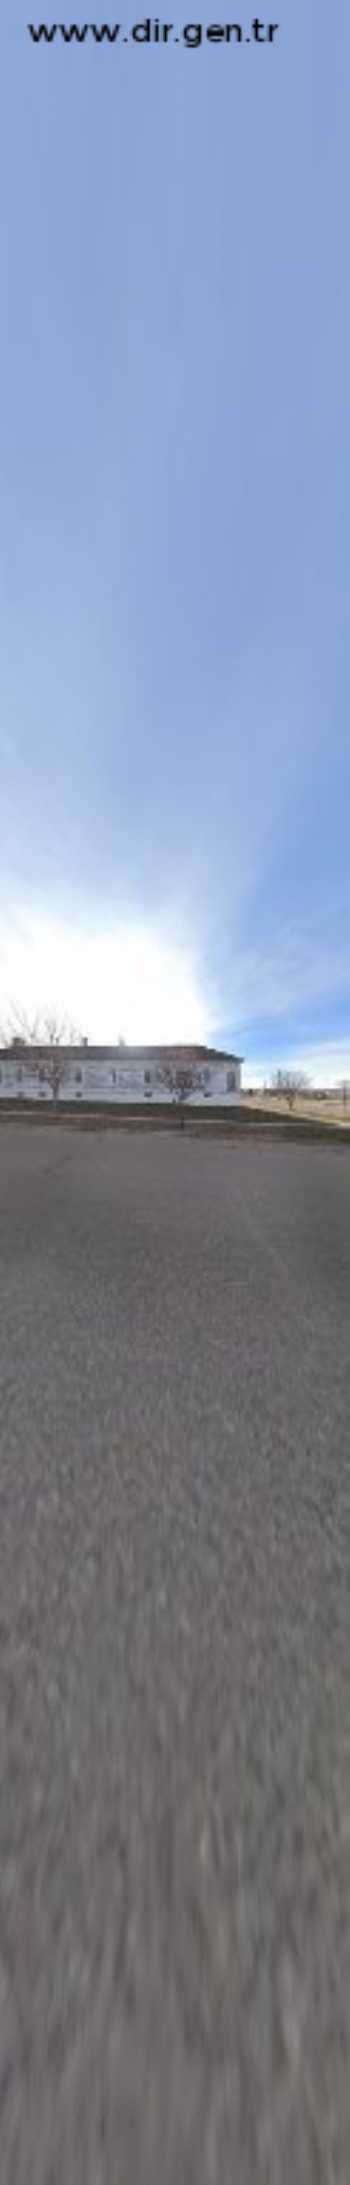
{"points": [[120, 983]]}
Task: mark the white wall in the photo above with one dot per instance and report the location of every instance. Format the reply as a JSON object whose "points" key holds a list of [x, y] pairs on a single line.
{"points": [[97, 1085]]}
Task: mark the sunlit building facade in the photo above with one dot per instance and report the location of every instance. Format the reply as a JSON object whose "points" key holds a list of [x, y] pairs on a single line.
{"points": [[117, 1074]]}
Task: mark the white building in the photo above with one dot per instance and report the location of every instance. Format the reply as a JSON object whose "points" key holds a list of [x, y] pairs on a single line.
{"points": [[116, 1074]]}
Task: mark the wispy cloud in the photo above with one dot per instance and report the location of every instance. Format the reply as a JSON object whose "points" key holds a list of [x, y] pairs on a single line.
{"points": [[325, 1065], [174, 650]]}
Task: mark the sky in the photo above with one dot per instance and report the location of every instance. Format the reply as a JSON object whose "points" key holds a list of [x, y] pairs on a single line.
{"points": [[175, 534]]}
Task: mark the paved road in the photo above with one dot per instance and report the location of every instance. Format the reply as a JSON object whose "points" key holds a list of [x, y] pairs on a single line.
{"points": [[175, 1648]]}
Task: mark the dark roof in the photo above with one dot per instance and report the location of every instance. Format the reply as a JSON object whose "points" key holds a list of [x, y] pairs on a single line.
{"points": [[82, 1052]]}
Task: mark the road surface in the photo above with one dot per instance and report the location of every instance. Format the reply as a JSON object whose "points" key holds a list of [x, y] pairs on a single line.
{"points": [[175, 1649]]}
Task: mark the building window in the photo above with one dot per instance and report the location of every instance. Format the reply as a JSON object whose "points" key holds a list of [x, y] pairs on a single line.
{"points": [[147, 1077], [114, 1077], [78, 1077], [19, 1075], [231, 1081]]}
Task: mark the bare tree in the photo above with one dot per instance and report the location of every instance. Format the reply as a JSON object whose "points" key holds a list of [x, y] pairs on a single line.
{"points": [[47, 1036], [19, 1030], [289, 1083], [180, 1081], [50, 1066]]}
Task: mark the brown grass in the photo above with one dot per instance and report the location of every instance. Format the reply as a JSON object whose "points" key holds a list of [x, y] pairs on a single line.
{"points": [[304, 1105]]}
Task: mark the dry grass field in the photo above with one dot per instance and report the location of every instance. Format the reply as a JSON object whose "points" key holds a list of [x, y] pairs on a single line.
{"points": [[309, 1105]]}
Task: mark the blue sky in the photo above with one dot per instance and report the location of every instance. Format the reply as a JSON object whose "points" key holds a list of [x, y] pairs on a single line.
{"points": [[175, 535]]}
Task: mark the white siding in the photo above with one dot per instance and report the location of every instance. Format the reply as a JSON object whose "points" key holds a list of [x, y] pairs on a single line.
{"points": [[110, 1081]]}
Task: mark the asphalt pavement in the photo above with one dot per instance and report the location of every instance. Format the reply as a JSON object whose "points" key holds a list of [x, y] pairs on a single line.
{"points": [[174, 1660]]}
